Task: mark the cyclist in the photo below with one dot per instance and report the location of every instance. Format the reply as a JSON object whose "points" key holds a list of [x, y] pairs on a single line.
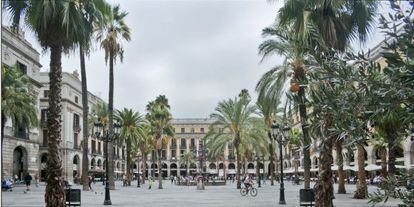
{"points": [[247, 181]]}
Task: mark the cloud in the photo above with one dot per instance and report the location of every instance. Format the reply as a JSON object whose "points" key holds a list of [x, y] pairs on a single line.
{"points": [[195, 52]]}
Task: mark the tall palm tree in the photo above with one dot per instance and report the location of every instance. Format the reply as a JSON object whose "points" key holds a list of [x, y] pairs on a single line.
{"points": [[110, 36], [97, 9], [295, 50], [131, 123], [159, 118], [187, 158], [17, 100], [232, 116], [59, 26], [145, 143], [270, 89]]}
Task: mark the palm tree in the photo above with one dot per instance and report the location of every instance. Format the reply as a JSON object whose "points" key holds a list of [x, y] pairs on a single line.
{"points": [[337, 22], [145, 143], [110, 36], [187, 158], [270, 88], [97, 10], [159, 118], [59, 26], [17, 101], [295, 51], [131, 123], [232, 116]]}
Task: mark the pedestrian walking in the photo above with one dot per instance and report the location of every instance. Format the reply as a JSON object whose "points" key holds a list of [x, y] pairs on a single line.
{"points": [[124, 180], [36, 180], [149, 183], [28, 180], [172, 179], [90, 183]]}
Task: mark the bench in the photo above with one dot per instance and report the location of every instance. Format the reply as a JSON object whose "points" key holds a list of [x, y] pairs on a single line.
{"points": [[73, 197], [307, 197]]}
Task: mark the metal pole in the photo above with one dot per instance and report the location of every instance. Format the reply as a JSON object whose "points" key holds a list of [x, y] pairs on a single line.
{"points": [[138, 175], [107, 194], [282, 187], [258, 174]]}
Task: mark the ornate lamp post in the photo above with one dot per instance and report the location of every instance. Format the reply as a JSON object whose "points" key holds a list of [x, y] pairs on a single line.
{"points": [[201, 157], [106, 136], [281, 136], [138, 175]]}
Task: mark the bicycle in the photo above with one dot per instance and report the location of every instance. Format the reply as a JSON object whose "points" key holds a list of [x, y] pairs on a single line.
{"points": [[244, 191]]}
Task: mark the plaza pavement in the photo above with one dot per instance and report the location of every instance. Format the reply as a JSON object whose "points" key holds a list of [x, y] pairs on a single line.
{"points": [[172, 195]]}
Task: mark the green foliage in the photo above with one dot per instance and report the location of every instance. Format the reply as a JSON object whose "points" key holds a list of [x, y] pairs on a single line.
{"points": [[159, 119], [111, 32], [18, 101], [131, 123], [401, 188]]}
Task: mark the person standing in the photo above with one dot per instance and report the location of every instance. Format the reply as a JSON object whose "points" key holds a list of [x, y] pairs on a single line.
{"points": [[28, 180]]}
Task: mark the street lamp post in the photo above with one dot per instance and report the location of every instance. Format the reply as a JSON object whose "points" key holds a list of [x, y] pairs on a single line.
{"points": [[138, 175], [281, 137], [108, 138], [201, 157]]}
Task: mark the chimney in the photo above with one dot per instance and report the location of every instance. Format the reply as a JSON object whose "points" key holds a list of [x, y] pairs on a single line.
{"points": [[76, 74]]}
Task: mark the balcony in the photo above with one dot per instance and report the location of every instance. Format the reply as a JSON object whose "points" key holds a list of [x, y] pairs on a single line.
{"points": [[173, 146], [183, 147], [232, 158], [76, 128], [43, 124], [76, 146]]}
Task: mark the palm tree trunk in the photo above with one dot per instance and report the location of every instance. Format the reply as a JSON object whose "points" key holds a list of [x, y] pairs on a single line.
{"points": [[144, 167], [238, 164], [324, 192], [391, 136], [85, 131], [383, 152], [271, 161], [244, 166], [340, 163], [361, 191], [129, 175], [224, 168], [159, 170], [306, 138], [3, 124], [257, 170], [54, 193], [300, 76], [111, 122]]}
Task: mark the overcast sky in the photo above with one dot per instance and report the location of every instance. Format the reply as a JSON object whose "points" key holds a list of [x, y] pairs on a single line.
{"points": [[194, 52]]}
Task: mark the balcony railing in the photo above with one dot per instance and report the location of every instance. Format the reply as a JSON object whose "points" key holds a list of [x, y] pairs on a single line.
{"points": [[76, 128], [43, 124], [183, 147], [174, 146]]}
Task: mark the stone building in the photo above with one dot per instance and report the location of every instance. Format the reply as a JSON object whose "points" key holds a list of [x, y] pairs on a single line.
{"points": [[188, 138], [21, 144], [25, 150]]}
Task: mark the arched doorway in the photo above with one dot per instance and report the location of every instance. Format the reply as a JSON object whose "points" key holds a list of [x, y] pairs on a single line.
{"points": [[173, 169], [19, 162], [43, 167], [99, 164], [270, 168], [164, 170], [93, 163], [76, 166], [183, 170], [193, 169]]}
